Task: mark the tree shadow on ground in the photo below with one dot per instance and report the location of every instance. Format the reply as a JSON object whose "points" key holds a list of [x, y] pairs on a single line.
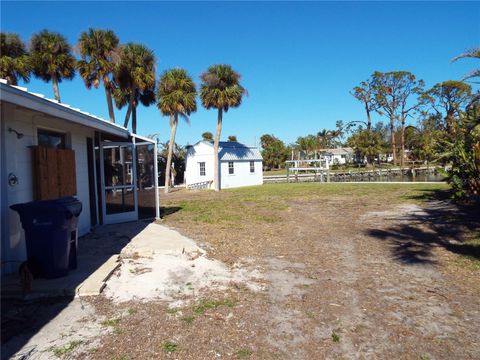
{"points": [[166, 211], [441, 222]]}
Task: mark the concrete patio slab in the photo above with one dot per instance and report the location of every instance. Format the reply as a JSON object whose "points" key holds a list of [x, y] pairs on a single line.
{"points": [[98, 257]]}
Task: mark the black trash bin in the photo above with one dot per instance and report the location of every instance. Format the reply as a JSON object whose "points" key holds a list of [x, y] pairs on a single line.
{"points": [[49, 225]]}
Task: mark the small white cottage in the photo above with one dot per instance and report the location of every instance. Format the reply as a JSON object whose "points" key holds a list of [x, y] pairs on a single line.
{"points": [[339, 156], [240, 165]]}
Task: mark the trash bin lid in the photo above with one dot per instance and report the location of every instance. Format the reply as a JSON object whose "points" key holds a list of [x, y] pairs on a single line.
{"points": [[66, 205]]}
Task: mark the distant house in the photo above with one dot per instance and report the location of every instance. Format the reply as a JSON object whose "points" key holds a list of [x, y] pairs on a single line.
{"points": [[339, 156], [49, 150], [239, 165]]}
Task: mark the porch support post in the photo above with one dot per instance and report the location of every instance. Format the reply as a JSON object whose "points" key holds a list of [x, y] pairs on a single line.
{"points": [[155, 170]]}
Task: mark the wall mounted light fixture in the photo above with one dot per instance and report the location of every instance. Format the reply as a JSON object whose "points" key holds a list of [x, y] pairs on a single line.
{"points": [[19, 135]]}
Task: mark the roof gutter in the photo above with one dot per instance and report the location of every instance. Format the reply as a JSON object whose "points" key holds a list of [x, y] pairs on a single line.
{"points": [[35, 102]]}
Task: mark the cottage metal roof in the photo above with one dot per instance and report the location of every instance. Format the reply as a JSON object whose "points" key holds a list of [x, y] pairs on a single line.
{"points": [[231, 151], [38, 102]]}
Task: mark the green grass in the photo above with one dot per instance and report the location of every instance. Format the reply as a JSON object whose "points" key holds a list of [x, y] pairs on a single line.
{"points": [[64, 350], [243, 353], [275, 172], [169, 347], [206, 304], [335, 337], [171, 311], [267, 204], [114, 324], [469, 262], [188, 319]]}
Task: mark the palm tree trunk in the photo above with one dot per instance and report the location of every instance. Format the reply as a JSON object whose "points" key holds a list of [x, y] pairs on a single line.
{"points": [[216, 177], [134, 119], [108, 94], [56, 92], [130, 107], [171, 144], [392, 134]]}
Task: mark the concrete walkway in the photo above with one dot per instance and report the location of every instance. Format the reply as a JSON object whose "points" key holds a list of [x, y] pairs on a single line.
{"points": [[98, 257]]}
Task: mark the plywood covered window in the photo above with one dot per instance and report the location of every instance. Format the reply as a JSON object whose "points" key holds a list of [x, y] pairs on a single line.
{"points": [[54, 172]]}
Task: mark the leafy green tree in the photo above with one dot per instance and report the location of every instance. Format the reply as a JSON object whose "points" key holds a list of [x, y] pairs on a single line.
{"points": [[365, 93], [472, 53], [366, 143], [207, 136], [448, 99], [232, 138], [51, 58], [14, 59], [99, 54], [176, 97], [274, 152], [463, 152], [220, 90], [393, 94], [135, 76], [307, 144]]}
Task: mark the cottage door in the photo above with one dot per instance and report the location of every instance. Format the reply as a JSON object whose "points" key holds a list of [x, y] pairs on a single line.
{"points": [[119, 190]]}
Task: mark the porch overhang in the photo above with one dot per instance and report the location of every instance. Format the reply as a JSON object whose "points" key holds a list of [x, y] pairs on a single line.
{"points": [[37, 102]]}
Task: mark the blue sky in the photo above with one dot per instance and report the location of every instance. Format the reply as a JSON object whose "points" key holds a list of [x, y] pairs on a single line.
{"points": [[298, 60]]}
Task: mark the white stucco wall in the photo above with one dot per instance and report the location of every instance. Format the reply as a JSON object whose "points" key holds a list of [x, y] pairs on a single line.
{"points": [[242, 175], [196, 154], [18, 161]]}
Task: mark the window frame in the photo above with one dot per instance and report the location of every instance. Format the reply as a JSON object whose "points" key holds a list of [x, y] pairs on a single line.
{"points": [[252, 167], [231, 169], [54, 132], [200, 163]]}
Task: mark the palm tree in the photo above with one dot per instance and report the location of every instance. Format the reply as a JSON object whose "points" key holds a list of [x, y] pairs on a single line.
{"points": [[472, 53], [207, 136], [221, 90], [176, 96], [14, 59], [135, 75], [99, 52], [146, 97], [51, 58]]}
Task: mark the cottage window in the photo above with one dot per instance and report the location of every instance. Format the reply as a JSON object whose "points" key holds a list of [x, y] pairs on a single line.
{"points": [[252, 166], [230, 168], [202, 168], [51, 139]]}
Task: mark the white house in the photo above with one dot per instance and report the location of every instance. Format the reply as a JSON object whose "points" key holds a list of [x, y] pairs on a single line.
{"points": [[339, 156], [240, 165], [81, 155]]}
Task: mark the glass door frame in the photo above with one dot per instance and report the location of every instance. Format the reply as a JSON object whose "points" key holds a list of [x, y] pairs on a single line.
{"points": [[123, 216]]}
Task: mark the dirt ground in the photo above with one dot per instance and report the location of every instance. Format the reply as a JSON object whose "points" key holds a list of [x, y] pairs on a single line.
{"points": [[347, 273]]}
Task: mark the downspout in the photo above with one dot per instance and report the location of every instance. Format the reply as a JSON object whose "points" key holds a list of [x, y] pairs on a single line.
{"points": [[155, 170]]}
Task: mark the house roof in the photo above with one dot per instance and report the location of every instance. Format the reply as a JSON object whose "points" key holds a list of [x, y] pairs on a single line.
{"points": [[38, 102], [338, 151], [232, 151]]}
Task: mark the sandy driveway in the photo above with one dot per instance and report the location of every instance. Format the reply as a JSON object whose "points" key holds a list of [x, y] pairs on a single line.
{"points": [[331, 279]]}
